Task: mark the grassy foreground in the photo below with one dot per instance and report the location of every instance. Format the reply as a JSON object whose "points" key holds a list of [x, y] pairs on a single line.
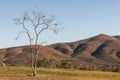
{"points": [[24, 73]]}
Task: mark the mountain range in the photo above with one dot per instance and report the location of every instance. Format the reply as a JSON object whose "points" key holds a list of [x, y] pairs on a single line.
{"points": [[99, 50]]}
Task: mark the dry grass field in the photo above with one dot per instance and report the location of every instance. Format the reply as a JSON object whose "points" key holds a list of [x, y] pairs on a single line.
{"points": [[24, 73]]}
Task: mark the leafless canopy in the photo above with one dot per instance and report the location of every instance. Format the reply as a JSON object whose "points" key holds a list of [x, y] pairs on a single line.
{"points": [[36, 22]]}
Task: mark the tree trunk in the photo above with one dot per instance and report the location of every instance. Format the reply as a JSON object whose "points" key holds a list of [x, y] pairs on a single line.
{"points": [[34, 71], [34, 59]]}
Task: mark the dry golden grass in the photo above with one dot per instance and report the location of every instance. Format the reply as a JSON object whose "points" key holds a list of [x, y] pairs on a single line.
{"points": [[24, 73]]}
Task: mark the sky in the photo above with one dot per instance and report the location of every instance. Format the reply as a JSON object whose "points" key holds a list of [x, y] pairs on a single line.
{"points": [[81, 19]]}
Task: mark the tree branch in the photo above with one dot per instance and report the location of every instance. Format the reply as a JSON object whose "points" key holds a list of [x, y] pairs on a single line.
{"points": [[19, 34]]}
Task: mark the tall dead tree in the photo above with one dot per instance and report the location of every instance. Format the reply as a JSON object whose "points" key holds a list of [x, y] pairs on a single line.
{"points": [[34, 23]]}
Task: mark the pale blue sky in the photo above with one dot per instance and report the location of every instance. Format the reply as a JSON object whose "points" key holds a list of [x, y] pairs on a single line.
{"points": [[81, 19]]}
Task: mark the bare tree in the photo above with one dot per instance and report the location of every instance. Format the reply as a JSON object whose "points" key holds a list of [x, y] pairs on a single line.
{"points": [[33, 24]]}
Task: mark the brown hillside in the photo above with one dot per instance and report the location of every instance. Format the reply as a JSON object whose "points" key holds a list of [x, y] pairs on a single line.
{"points": [[22, 55], [101, 49]]}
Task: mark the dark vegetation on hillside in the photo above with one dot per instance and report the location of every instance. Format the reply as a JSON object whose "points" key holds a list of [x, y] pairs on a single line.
{"points": [[101, 52]]}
